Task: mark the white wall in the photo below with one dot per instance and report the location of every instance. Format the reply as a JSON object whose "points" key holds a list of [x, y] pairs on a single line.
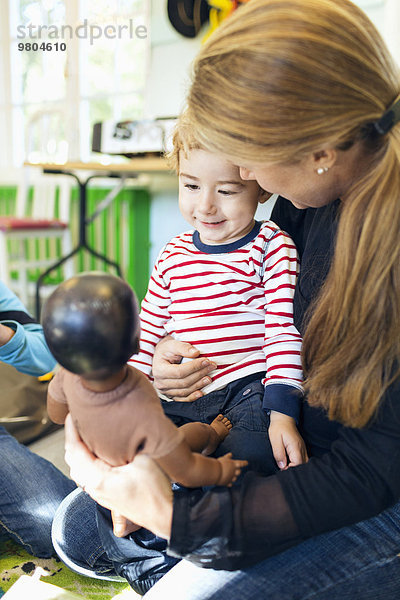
{"points": [[171, 56], [375, 10], [391, 27]]}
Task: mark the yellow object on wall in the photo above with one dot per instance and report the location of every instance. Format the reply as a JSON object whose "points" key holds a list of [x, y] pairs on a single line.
{"points": [[219, 11]]}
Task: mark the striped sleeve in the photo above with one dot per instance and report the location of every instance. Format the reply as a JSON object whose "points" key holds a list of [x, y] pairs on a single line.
{"points": [[154, 315], [282, 343]]}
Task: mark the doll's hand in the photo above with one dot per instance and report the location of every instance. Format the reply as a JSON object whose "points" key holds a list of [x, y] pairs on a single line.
{"points": [[230, 469], [122, 526], [287, 444]]}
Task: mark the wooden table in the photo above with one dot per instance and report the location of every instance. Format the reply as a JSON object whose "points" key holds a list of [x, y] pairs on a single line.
{"points": [[151, 164]]}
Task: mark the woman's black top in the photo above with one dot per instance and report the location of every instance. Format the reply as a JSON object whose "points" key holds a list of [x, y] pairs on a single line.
{"points": [[353, 474]]}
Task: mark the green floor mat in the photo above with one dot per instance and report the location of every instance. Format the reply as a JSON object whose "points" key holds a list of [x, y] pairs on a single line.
{"points": [[15, 561]]}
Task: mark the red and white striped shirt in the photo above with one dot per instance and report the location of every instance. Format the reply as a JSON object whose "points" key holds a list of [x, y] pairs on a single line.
{"points": [[233, 302]]}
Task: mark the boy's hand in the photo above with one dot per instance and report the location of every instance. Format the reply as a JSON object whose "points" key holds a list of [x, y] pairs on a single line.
{"points": [[230, 469], [179, 381], [287, 444]]}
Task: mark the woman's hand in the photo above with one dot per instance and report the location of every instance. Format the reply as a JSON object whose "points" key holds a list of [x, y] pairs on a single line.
{"points": [[140, 490], [181, 381]]}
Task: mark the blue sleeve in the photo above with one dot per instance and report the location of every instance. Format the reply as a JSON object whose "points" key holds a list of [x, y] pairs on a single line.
{"points": [[283, 398], [27, 350]]}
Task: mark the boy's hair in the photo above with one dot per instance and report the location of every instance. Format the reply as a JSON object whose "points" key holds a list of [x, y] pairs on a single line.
{"points": [[183, 140]]}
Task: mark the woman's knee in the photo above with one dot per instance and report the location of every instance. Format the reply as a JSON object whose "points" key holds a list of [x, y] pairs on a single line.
{"points": [[74, 524]]}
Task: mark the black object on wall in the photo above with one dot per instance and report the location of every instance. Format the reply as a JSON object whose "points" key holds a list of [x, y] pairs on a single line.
{"points": [[188, 16]]}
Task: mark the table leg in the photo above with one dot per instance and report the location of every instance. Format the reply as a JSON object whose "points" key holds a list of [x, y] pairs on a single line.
{"points": [[82, 243]]}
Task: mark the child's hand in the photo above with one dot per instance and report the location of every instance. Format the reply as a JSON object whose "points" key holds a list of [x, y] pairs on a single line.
{"points": [[122, 526], [287, 444], [230, 469]]}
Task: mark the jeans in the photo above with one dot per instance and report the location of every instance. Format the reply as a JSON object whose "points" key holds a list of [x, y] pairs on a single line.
{"points": [[240, 401], [76, 538], [82, 533], [357, 562], [360, 562], [31, 490]]}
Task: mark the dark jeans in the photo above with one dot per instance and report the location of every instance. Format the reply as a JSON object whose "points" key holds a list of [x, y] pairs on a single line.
{"points": [[241, 402], [141, 557], [31, 490], [360, 562]]}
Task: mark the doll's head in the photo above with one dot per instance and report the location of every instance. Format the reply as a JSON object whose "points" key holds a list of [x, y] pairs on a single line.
{"points": [[91, 324]]}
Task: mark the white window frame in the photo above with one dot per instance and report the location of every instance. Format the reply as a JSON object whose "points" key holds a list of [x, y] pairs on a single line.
{"points": [[13, 142]]}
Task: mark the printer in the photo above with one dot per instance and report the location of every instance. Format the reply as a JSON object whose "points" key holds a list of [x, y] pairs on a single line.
{"points": [[134, 138]]}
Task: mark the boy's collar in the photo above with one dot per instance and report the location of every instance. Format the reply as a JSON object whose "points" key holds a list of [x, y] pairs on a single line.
{"points": [[225, 248]]}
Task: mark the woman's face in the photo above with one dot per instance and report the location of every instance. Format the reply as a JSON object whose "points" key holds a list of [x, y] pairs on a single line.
{"points": [[300, 183]]}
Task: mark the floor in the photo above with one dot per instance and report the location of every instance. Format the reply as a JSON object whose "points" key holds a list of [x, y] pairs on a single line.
{"points": [[52, 448]]}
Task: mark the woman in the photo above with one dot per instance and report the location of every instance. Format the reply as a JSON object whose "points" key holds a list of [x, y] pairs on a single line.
{"points": [[303, 95]]}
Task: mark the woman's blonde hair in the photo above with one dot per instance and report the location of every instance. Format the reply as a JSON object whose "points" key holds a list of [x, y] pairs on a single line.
{"points": [[279, 80]]}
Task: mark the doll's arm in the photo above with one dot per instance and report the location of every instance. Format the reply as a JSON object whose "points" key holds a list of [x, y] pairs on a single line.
{"points": [[195, 470], [57, 411]]}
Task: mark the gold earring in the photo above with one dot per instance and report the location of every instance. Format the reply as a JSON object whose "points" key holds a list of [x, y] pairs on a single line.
{"points": [[322, 170]]}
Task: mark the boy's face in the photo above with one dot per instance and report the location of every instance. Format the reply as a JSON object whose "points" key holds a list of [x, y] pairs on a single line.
{"points": [[214, 199]]}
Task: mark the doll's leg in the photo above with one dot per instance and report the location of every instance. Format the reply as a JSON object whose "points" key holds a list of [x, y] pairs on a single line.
{"points": [[241, 402], [205, 438]]}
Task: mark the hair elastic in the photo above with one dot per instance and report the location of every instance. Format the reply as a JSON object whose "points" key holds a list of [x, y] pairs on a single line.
{"points": [[388, 119]]}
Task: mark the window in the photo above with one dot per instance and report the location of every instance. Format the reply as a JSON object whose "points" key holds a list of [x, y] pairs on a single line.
{"points": [[68, 64]]}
